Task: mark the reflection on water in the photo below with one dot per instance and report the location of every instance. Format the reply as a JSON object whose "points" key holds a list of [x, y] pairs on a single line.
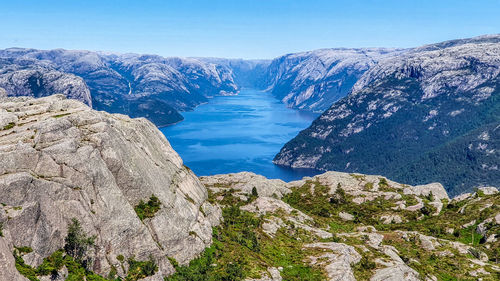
{"points": [[238, 133]]}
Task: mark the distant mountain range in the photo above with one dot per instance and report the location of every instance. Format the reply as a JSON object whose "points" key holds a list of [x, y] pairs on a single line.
{"points": [[158, 88], [428, 114], [137, 85], [315, 80], [418, 114]]}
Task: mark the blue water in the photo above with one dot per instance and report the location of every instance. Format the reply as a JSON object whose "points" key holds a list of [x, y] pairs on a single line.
{"points": [[238, 133]]}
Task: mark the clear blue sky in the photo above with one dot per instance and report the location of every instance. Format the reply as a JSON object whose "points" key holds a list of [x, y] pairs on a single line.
{"points": [[240, 28]]}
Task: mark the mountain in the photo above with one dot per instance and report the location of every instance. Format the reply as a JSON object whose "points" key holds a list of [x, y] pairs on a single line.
{"points": [[431, 113], [26, 79], [157, 88], [137, 85], [88, 195], [69, 171], [246, 73], [315, 80]]}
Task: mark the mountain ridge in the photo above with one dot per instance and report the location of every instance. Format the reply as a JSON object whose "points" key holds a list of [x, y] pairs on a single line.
{"points": [[404, 107]]}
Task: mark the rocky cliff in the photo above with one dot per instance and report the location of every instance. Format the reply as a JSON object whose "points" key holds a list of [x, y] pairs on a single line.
{"points": [[119, 177], [315, 80], [431, 113], [23, 78]]}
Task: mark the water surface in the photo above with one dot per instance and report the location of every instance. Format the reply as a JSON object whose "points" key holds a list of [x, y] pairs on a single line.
{"points": [[238, 133]]}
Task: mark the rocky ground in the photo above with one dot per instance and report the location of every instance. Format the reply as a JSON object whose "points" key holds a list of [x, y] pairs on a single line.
{"points": [[339, 226]]}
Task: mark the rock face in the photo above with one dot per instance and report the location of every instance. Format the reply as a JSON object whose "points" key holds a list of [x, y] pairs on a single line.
{"points": [[315, 80], [24, 79], [61, 160], [246, 73], [413, 116], [138, 85]]}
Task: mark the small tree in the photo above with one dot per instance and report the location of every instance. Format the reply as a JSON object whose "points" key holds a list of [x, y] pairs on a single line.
{"points": [[254, 192], [339, 197], [78, 243]]}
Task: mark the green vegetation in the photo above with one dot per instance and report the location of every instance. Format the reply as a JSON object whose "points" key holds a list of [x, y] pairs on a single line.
{"points": [[78, 243], [52, 264], [74, 257], [241, 250], [24, 249], [149, 209], [363, 269], [9, 126], [1, 228], [140, 269]]}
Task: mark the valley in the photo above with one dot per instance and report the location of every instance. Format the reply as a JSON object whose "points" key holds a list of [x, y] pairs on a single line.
{"points": [[250, 140], [238, 133], [413, 114]]}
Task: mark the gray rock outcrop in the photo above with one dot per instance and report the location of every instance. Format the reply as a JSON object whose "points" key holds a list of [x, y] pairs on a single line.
{"points": [[61, 160], [35, 81]]}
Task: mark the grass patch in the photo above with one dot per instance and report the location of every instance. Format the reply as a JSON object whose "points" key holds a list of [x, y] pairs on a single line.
{"points": [[9, 126], [140, 269]]}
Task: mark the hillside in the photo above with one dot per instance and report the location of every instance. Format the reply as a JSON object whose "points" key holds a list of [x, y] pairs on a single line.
{"points": [[432, 113], [339, 226], [315, 80], [87, 195]]}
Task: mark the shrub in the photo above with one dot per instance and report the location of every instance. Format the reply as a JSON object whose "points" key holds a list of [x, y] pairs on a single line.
{"points": [[367, 264], [1, 228], [52, 264], [339, 197], [383, 182], [9, 126], [149, 209], [254, 192], [140, 269], [24, 249]]}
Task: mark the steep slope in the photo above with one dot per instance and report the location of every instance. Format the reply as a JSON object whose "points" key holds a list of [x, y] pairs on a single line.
{"points": [[123, 83], [339, 226], [418, 116], [119, 177], [25, 78], [246, 73], [315, 80]]}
